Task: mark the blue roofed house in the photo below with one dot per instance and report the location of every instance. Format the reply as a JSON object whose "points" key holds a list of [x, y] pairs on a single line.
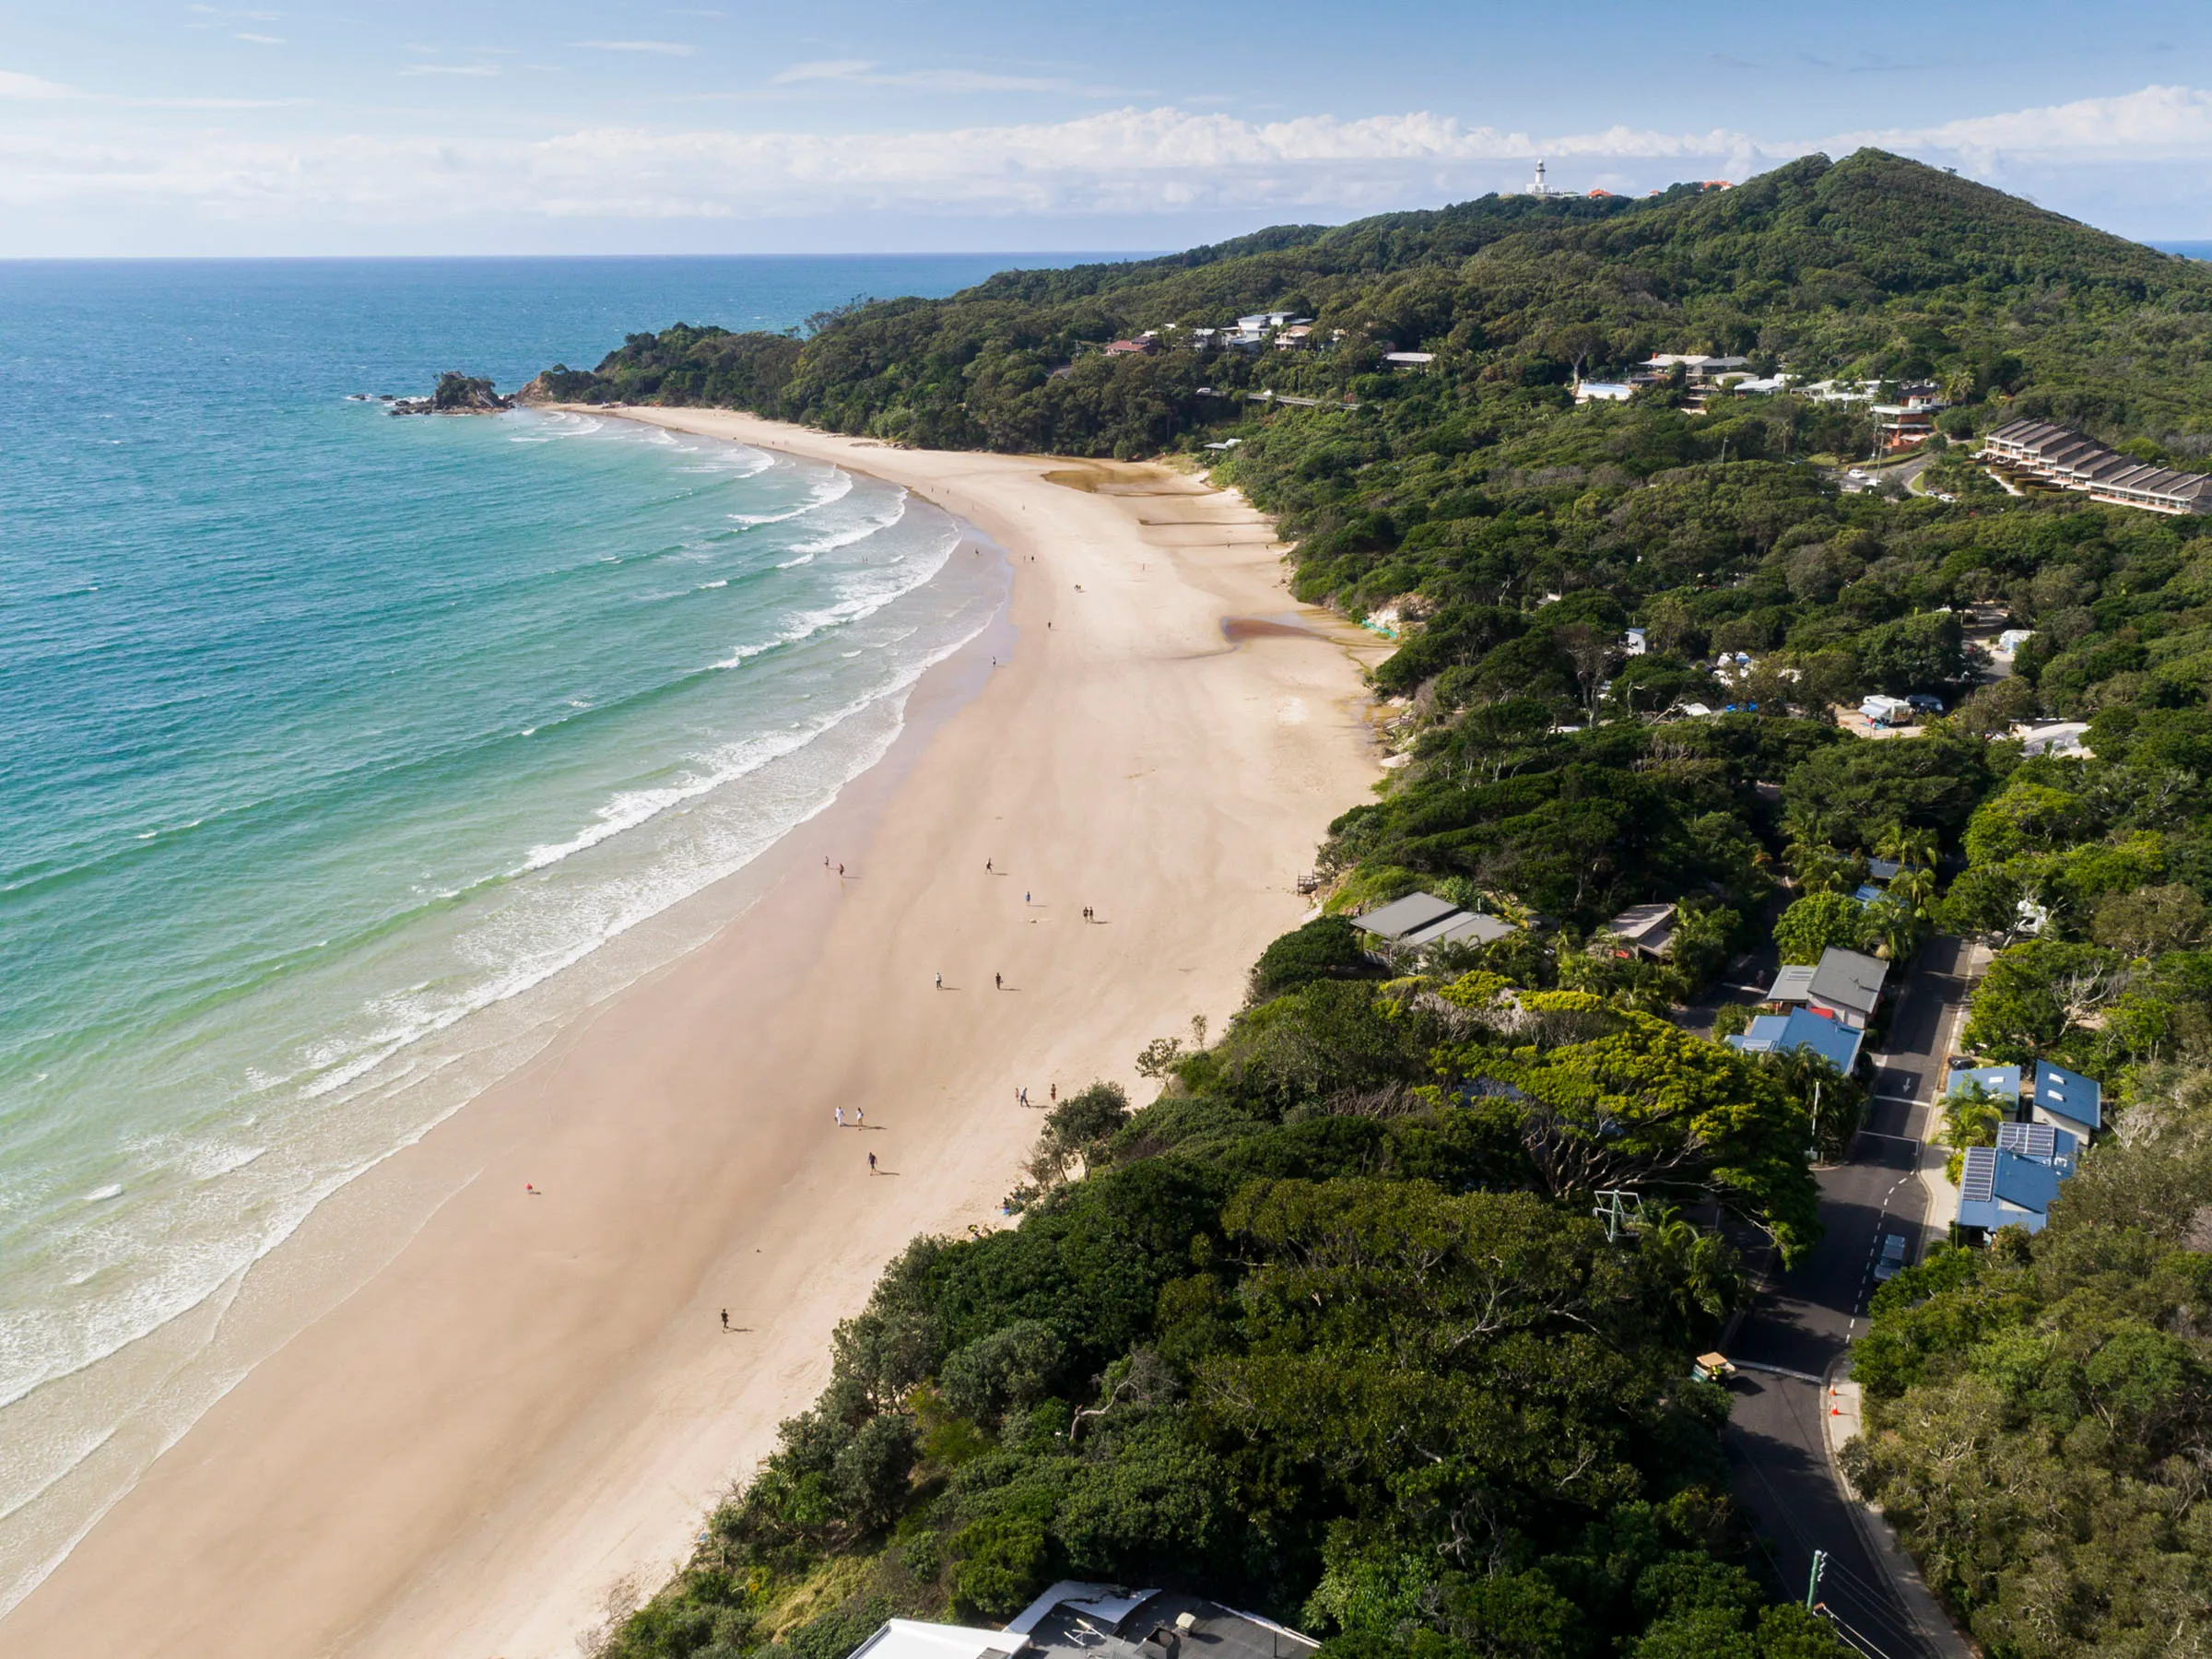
{"points": [[2066, 1099], [2001, 1188], [2001, 1083], [2014, 1182], [1802, 1029]]}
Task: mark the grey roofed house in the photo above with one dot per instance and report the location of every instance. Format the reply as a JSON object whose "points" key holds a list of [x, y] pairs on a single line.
{"points": [[1462, 927], [1847, 984], [1406, 915], [1421, 920], [1646, 927], [1793, 983]]}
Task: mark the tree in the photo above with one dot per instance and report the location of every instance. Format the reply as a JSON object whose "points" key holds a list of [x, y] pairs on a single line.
{"points": [[2150, 920], [1326, 948], [1816, 922], [1649, 1108], [1971, 1116], [2037, 994]]}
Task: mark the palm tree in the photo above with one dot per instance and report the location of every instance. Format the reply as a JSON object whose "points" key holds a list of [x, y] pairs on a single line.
{"points": [[1914, 888], [1702, 1270], [1907, 845]]}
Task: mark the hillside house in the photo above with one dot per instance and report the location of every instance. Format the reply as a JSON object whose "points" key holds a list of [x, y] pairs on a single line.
{"points": [[1641, 930], [1421, 920], [2052, 456]]}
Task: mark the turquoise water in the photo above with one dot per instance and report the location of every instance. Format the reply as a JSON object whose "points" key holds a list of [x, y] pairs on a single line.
{"points": [[333, 745]]}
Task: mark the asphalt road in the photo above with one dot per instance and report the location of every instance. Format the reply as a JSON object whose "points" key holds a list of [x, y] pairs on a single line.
{"points": [[1803, 1320]]}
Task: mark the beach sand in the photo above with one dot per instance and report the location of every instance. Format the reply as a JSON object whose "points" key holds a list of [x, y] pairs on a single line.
{"points": [[531, 1403]]}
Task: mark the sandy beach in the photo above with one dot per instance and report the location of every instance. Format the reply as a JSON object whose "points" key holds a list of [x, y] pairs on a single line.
{"points": [[526, 1406]]}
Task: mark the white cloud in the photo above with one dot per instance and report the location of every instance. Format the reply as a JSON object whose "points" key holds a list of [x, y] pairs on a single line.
{"points": [[262, 40], [476, 69], [13, 85], [826, 69], [1120, 162], [2158, 124], [866, 72], [663, 48]]}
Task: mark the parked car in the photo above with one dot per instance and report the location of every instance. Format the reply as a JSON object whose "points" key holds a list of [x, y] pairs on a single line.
{"points": [[1713, 1367]]}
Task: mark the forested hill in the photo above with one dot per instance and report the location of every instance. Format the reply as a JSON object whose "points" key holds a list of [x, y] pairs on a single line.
{"points": [[1872, 268], [1328, 1326]]}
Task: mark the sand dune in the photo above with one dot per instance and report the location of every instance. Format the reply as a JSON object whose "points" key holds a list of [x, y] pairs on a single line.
{"points": [[532, 1401]]}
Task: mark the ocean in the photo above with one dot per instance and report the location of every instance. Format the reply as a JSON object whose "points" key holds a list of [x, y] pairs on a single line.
{"points": [[341, 754]]}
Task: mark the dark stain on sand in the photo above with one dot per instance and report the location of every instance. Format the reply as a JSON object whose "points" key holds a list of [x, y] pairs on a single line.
{"points": [[1236, 629]]}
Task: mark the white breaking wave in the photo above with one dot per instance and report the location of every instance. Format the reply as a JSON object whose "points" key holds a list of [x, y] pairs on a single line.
{"points": [[826, 493]]}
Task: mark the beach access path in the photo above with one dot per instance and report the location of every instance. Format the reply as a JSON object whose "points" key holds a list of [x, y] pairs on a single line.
{"points": [[529, 1401]]}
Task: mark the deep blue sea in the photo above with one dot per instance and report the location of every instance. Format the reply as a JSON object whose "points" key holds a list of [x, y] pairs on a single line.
{"points": [[338, 751]]}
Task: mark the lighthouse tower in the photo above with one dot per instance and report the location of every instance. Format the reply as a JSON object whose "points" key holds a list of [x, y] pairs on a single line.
{"points": [[1539, 188]]}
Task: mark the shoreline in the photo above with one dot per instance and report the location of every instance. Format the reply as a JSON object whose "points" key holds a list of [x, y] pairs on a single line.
{"points": [[528, 1402]]}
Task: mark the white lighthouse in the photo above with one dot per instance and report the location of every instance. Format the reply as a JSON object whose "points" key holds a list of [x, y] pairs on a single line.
{"points": [[1538, 187]]}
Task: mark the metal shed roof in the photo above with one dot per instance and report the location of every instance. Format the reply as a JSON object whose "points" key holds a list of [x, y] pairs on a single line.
{"points": [[2069, 1095], [1405, 915]]}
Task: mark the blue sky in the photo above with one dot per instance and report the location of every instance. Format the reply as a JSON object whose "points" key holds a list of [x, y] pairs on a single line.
{"points": [[586, 126]]}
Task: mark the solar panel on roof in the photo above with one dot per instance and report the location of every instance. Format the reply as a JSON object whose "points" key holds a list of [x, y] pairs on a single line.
{"points": [[1977, 1179], [2031, 1140]]}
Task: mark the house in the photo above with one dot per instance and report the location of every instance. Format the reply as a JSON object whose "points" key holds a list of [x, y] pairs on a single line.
{"points": [[2065, 1099], [1394, 920], [1293, 338], [2052, 456], [1882, 711], [1129, 348], [2012, 639], [1641, 930], [1075, 1620], [2059, 738], [1698, 368], [1634, 642], [2000, 1082], [919, 1639], [1903, 426], [1421, 920], [2043, 1142], [1998, 1187], [1801, 1029], [1409, 359], [1843, 985]]}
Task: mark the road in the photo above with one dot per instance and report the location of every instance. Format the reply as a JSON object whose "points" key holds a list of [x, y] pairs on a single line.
{"points": [[1803, 1320]]}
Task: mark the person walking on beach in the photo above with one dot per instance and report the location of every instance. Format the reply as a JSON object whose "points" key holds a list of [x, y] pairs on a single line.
{"points": [[840, 1117], [871, 1163], [998, 982], [726, 1318], [859, 1117], [1055, 1091], [940, 982], [986, 866]]}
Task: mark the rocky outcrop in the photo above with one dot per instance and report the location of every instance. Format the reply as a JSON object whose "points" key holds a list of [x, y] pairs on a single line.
{"points": [[456, 394]]}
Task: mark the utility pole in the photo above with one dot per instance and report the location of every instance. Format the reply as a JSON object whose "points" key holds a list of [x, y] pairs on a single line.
{"points": [[1812, 1585], [1812, 1153]]}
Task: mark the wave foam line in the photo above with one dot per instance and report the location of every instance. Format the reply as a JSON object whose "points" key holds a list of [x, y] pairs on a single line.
{"points": [[321, 1191]]}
